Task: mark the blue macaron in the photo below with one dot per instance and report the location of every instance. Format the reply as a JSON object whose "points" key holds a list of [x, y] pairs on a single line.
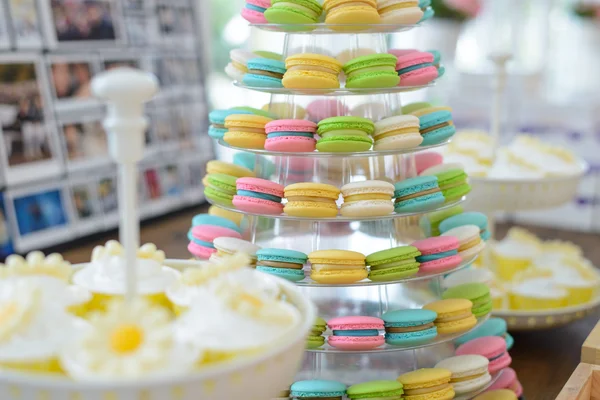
{"points": [[437, 256], [428, 13], [409, 327], [264, 72], [207, 219], [317, 389], [467, 218], [217, 120], [491, 327], [287, 264], [423, 4], [436, 126], [417, 194]]}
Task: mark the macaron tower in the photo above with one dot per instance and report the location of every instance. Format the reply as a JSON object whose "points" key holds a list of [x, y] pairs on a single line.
{"points": [[367, 199], [355, 333]]}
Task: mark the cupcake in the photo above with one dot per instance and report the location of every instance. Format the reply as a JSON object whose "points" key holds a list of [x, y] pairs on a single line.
{"points": [[52, 275], [32, 331], [105, 275], [195, 282], [128, 341], [537, 294]]}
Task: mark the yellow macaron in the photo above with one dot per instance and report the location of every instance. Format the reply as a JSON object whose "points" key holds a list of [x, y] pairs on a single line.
{"points": [[427, 383], [230, 215], [357, 12], [311, 200], [337, 266], [453, 315], [222, 167], [246, 131], [311, 71]]}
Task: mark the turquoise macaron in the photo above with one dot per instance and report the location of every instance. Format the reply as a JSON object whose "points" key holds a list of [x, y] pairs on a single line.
{"points": [[428, 13], [264, 72], [437, 56], [286, 264], [207, 219], [217, 121], [417, 194], [436, 126], [491, 327], [409, 327], [317, 389], [467, 218]]}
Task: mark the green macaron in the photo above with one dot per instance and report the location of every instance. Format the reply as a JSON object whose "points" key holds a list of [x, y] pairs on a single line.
{"points": [[478, 293], [393, 264], [375, 390], [221, 189], [372, 71], [345, 134], [453, 184], [344, 144], [293, 12], [315, 338]]}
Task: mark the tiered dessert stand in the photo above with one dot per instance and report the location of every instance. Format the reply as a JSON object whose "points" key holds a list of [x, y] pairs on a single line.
{"points": [[365, 235], [493, 195]]}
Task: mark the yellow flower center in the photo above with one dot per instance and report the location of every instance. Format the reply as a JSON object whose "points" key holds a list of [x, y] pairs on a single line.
{"points": [[7, 311], [126, 339]]}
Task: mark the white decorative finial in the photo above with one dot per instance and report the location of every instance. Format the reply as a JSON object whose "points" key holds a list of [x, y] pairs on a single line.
{"points": [[126, 90], [500, 59]]}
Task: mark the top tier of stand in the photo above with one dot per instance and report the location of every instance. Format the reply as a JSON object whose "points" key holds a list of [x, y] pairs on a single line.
{"points": [[332, 29]]}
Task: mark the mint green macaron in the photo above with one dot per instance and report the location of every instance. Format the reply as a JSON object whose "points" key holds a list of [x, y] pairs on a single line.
{"points": [[345, 134], [453, 184], [375, 390], [221, 189], [372, 71], [393, 264], [478, 293]]}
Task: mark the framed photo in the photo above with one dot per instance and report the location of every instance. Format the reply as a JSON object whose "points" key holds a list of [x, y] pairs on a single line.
{"points": [[29, 149], [83, 23], [25, 21], [108, 199], [87, 215], [39, 216], [84, 143], [4, 28], [70, 81]]}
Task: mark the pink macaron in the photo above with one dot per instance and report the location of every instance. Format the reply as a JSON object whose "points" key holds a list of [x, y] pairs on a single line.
{"points": [[491, 347], [258, 196], [201, 245], [287, 135], [427, 159], [416, 69], [254, 11], [356, 333], [438, 254], [507, 380], [326, 108]]}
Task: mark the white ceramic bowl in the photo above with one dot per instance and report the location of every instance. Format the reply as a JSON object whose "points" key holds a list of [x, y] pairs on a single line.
{"points": [[255, 378]]}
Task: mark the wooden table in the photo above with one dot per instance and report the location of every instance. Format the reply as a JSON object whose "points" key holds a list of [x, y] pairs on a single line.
{"points": [[544, 360]]}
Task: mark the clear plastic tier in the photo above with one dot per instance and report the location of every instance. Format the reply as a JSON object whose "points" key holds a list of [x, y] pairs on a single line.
{"points": [[343, 91], [440, 339], [341, 218], [330, 29], [323, 154]]}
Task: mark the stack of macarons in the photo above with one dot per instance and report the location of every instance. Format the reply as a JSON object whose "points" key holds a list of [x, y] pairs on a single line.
{"points": [[477, 293], [438, 254], [294, 12], [416, 68], [349, 15], [470, 242], [393, 264], [417, 194], [318, 389], [203, 235], [337, 266], [286, 135], [427, 383], [284, 263], [367, 199], [311, 71], [227, 246], [397, 133], [399, 12], [259, 196], [356, 333], [410, 327], [453, 315], [371, 71], [469, 372], [264, 73], [315, 338], [312, 200], [345, 134], [254, 11], [491, 347], [436, 125], [246, 131], [452, 179]]}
